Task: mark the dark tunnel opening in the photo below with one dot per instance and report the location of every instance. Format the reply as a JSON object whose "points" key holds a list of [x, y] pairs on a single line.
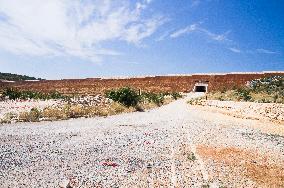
{"points": [[200, 88]]}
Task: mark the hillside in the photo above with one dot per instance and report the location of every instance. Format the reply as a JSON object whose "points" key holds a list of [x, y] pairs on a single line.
{"points": [[16, 77]]}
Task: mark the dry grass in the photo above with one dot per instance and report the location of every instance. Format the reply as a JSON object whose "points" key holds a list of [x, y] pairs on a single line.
{"points": [[54, 114], [31, 116], [8, 118], [69, 111], [75, 111], [222, 96], [117, 108]]}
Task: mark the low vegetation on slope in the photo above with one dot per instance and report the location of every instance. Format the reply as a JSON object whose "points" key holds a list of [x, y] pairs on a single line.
{"points": [[114, 102], [262, 99], [14, 94], [264, 90]]}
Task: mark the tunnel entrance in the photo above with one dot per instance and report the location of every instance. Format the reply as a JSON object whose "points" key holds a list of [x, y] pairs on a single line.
{"points": [[200, 89]]}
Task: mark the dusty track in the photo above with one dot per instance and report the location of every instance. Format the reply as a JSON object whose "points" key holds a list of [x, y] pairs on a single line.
{"points": [[172, 146]]}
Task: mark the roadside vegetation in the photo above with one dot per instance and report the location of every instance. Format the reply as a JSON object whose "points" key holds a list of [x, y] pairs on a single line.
{"points": [[14, 94], [130, 97], [264, 90], [117, 101]]}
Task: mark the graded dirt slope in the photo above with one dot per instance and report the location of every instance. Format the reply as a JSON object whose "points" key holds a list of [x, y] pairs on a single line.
{"points": [[172, 146], [178, 83]]}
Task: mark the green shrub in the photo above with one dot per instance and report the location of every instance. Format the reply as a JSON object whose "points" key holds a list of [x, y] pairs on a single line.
{"points": [[243, 94], [13, 94], [272, 84], [264, 90], [158, 99], [126, 96], [176, 95], [191, 156], [56, 95]]}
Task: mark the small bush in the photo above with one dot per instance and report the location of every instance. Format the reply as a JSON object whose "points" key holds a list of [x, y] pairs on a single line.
{"points": [[176, 95], [53, 114], [8, 117], [76, 111], [196, 101], [158, 99], [32, 116], [126, 96], [191, 156], [244, 94]]}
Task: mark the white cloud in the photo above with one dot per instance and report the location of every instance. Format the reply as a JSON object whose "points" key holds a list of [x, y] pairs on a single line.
{"points": [[162, 37], [72, 28], [214, 36], [197, 28], [236, 50], [265, 51], [256, 51], [183, 31]]}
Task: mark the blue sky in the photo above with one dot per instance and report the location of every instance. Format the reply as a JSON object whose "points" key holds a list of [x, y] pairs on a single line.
{"points": [[57, 39]]}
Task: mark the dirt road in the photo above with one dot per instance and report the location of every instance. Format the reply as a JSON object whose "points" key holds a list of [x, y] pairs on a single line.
{"points": [[172, 146]]}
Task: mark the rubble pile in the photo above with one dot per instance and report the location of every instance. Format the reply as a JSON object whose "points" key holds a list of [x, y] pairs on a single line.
{"points": [[89, 100]]}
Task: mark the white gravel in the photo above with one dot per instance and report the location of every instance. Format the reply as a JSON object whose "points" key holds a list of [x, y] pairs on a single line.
{"points": [[148, 148]]}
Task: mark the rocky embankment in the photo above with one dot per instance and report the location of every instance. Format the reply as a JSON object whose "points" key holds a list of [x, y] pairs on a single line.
{"points": [[248, 110]]}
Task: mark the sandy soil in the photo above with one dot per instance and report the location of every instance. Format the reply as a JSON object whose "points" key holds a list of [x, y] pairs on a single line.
{"points": [[175, 145]]}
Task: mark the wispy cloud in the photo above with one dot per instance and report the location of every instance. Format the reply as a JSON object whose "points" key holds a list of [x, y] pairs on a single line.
{"points": [[254, 51], [162, 37], [198, 28], [72, 28], [236, 50], [217, 37], [183, 31], [265, 51]]}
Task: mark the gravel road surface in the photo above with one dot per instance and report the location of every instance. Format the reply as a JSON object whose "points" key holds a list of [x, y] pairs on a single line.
{"points": [[175, 145]]}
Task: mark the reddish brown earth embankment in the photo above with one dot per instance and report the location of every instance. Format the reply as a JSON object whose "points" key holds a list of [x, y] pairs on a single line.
{"points": [[179, 83]]}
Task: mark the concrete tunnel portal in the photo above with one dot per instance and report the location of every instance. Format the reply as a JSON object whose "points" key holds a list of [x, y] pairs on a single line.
{"points": [[201, 87]]}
